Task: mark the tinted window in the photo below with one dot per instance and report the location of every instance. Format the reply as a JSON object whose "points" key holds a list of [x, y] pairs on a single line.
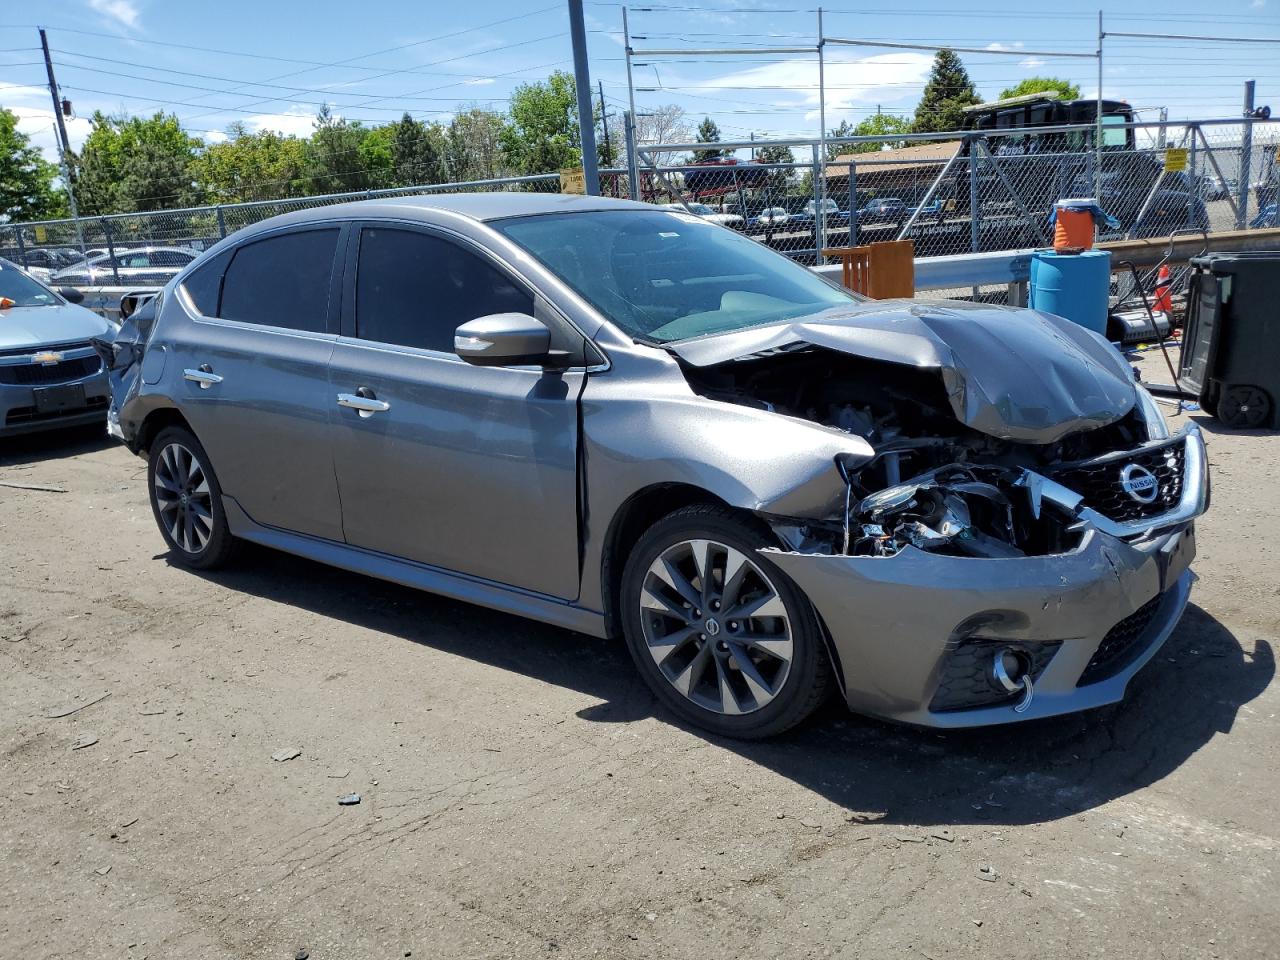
{"points": [[282, 281], [415, 290], [170, 258], [204, 285]]}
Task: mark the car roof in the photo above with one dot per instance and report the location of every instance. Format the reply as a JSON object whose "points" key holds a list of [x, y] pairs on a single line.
{"points": [[497, 205]]}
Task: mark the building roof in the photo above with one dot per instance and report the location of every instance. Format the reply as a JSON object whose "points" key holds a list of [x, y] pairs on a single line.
{"points": [[932, 152]]}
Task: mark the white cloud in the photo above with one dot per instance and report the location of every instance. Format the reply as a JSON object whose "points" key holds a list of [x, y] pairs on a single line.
{"points": [[123, 12], [294, 123], [478, 82], [213, 136], [998, 47], [882, 79], [35, 116], [1258, 4], [1031, 63]]}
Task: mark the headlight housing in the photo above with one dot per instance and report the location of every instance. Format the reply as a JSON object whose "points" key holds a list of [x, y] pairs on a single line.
{"points": [[1152, 415]]}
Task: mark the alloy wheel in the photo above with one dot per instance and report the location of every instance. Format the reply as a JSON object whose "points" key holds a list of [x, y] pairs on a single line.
{"points": [[716, 627], [183, 497]]}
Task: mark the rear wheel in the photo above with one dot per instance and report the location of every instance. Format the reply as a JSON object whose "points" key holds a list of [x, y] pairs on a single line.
{"points": [[1243, 406], [721, 635], [187, 500]]}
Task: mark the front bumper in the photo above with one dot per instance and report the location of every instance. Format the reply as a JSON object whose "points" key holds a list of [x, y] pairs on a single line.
{"points": [[19, 410], [908, 629]]}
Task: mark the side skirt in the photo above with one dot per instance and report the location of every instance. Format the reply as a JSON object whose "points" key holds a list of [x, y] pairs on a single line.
{"points": [[420, 576]]}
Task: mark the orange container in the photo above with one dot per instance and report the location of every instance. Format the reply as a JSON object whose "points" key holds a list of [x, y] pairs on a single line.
{"points": [[1072, 230]]}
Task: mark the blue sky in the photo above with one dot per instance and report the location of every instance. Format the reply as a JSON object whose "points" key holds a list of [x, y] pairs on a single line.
{"points": [[270, 64]]}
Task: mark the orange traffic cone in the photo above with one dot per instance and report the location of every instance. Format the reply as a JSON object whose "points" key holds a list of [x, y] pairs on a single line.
{"points": [[1164, 298]]}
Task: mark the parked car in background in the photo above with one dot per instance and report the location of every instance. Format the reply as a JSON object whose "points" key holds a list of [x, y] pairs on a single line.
{"points": [[141, 265], [883, 209], [770, 218], [43, 262], [1268, 216], [50, 374], [624, 421], [931, 209], [733, 221]]}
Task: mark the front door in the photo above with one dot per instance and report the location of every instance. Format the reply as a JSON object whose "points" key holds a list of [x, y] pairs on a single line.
{"points": [[470, 469]]}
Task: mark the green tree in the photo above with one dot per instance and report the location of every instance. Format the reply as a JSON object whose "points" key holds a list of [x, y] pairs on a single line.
{"points": [[708, 132], [542, 134], [1063, 88], [26, 178], [418, 152], [333, 161], [947, 93], [136, 164], [252, 166], [473, 145], [885, 125]]}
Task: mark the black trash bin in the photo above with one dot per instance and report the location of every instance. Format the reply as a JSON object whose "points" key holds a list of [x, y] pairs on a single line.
{"points": [[1231, 340]]}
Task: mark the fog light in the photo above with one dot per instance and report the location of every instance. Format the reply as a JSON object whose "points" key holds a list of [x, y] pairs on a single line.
{"points": [[1012, 670]]}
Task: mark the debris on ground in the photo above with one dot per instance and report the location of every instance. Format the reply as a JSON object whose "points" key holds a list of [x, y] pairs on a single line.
{"points": [[280, 756], [42, 487], [60, 712], [350, 800], [946, 835], [102, 871], [988, 873], [338, 774], [85, 739]]}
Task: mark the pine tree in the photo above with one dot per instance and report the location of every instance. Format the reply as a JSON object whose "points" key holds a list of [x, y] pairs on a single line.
{"points": [[708, 132], [947, 93]]}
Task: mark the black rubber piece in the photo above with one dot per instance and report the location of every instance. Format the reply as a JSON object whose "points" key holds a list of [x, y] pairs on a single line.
{"points": [[222, 546], [810, 680]]}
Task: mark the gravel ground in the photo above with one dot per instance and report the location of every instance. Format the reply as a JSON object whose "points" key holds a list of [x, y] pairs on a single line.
{"points": [[523, 796]]}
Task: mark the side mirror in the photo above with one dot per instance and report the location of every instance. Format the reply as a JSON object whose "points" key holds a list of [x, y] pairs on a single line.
{"points": [[71, 294], [503, 340]]}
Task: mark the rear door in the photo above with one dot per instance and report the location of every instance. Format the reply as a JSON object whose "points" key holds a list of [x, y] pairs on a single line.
{"points": [[254, 380], [472, 469]]}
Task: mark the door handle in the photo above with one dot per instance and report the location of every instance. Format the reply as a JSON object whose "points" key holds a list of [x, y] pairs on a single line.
{"points": [[203, 376], [365, 406]]}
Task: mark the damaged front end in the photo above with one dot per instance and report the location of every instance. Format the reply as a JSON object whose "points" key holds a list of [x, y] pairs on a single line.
{"points": [[1017, 545]]}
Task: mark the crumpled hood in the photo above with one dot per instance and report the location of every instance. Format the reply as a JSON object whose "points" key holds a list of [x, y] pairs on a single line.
{"points": [[40, 326], [1011, 373]]}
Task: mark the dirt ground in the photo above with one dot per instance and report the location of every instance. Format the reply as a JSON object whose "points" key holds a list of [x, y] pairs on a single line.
{"points": [[524, 796]]}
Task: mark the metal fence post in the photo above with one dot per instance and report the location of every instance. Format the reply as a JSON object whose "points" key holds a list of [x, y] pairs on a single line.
{"points": [[633, 167], [819, 214], [222, 221], [1197, 185], [974, 212], [1246, 159], [22, 250], [111, 250], [853, 203]]}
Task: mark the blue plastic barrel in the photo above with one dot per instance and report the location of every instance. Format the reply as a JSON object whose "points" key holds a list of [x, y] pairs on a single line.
{"points": [[1075, 286]]}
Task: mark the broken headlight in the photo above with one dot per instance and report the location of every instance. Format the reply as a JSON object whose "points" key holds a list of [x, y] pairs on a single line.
{"points": [[1152, 416]]}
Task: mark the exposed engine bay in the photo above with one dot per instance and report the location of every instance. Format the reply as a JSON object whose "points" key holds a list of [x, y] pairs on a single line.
{"points": [[934, 482]]}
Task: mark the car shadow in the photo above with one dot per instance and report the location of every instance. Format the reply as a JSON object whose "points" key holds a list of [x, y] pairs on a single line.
{"points": [[1032, 772], [1213, 425], [54, 444]]}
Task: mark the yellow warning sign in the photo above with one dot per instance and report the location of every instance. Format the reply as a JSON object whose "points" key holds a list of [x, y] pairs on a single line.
{"points": [[42, 235], [573, 180], [1175, 159]]}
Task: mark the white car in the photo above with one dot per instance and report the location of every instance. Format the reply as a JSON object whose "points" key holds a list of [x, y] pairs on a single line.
{"points": [[731, 220]]}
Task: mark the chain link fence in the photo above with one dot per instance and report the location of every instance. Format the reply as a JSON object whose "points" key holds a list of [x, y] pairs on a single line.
{"points": [[950, 194]]}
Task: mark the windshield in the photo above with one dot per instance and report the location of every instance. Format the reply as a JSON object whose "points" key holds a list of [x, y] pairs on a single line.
{"points": [[664, 276], [21, 290]]}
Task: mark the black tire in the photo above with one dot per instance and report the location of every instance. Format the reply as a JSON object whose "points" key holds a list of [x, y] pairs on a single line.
{"points": [[808, 676], [1242, 406], [213, 545]]}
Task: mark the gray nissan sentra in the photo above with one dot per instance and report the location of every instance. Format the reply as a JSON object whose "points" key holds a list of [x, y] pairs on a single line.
{"points": [[50, 374], [631, 422]]}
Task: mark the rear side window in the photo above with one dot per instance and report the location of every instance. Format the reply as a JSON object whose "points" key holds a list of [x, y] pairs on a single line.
{"points": [[204, 285], [282, 281], [414, 289]]}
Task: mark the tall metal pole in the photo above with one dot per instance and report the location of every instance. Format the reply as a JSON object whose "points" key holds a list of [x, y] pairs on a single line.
{"points": [[633, 165], [1246, 159], [1097, 121], [582, 78], [604, 124], [64, 144], [820, 167]]}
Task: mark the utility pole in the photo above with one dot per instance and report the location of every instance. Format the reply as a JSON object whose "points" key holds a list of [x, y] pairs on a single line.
{"points": [[1246, 158], [629, 129], [604, 123], [582, 77], [64, 145]]}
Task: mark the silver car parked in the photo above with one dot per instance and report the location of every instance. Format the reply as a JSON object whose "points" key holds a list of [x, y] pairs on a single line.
{"points": [[631, 422]]}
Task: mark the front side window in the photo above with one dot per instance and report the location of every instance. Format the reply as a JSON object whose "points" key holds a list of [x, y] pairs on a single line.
{"points": [[415, 289], [1114, 133], [21, 291], [282, 281], [664, 276]]}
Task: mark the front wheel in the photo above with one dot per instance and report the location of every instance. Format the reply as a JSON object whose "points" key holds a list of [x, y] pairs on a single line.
{"points": [[187, 500], [721, 635]]}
